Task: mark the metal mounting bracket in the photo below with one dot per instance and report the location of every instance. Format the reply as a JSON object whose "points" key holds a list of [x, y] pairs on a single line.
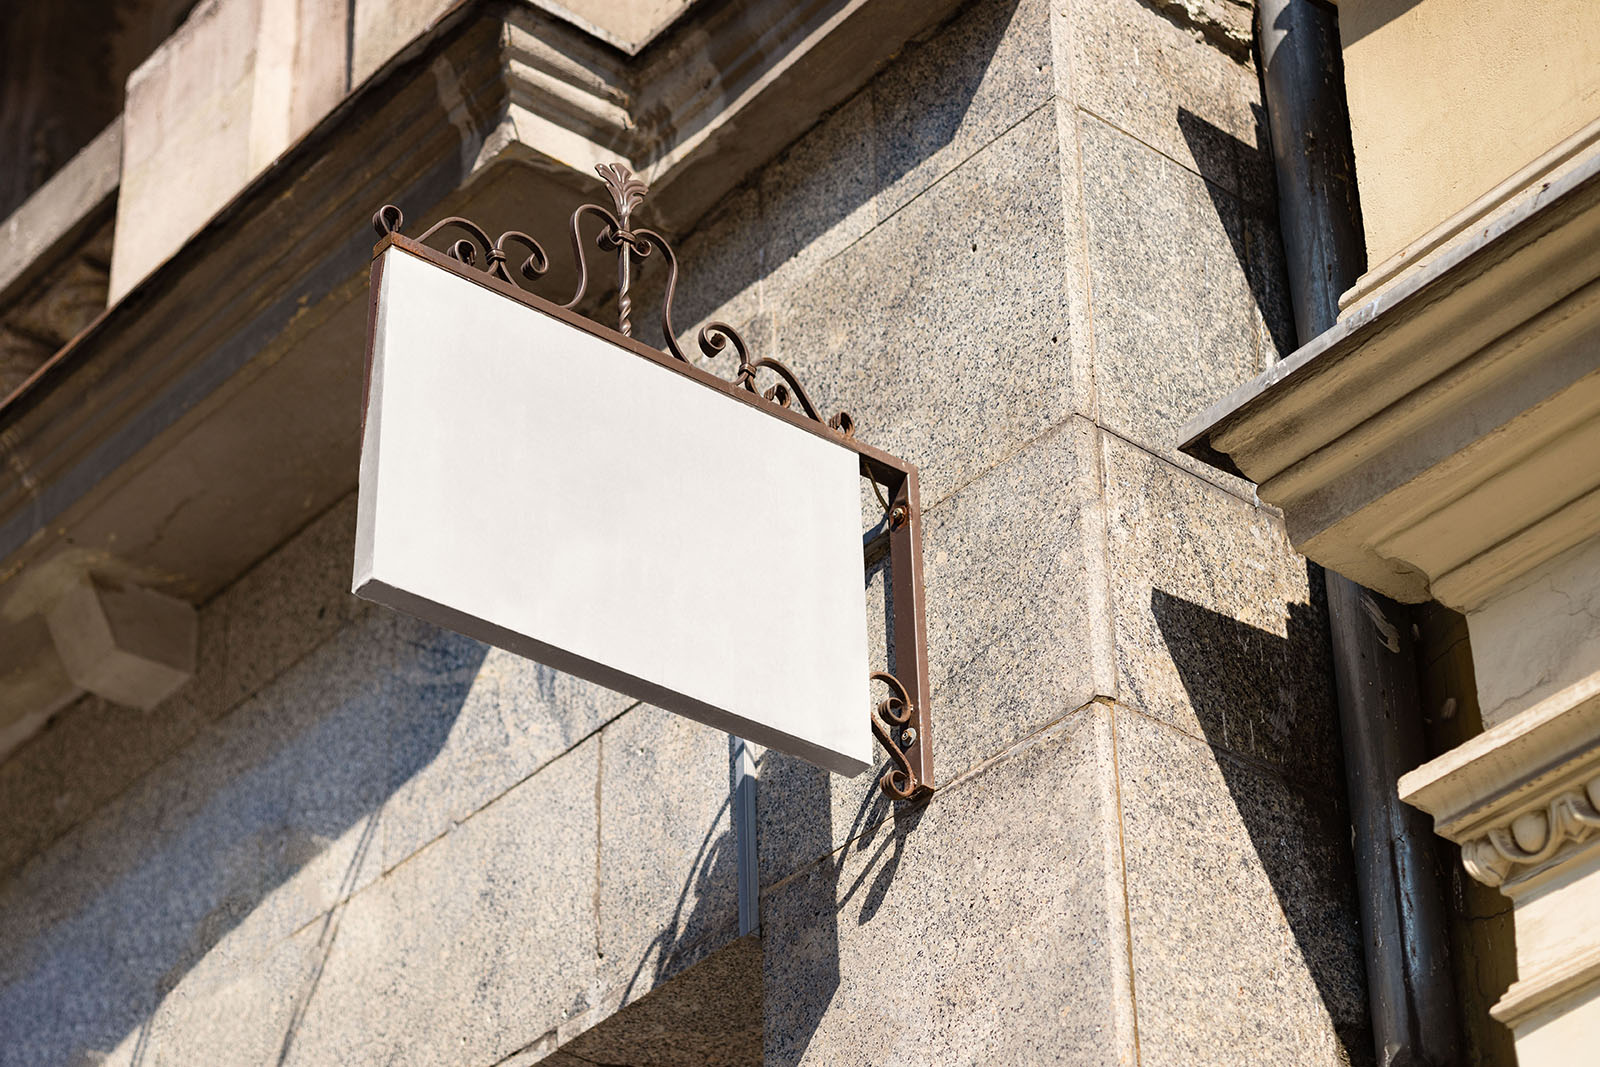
{"points": [[900, 721]]}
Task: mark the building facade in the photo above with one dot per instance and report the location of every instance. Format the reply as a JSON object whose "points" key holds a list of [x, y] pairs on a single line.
{"points": [[1445, 449], [247, 818]]}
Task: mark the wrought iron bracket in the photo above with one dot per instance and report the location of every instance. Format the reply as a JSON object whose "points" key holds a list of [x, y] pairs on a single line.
{"points": [[900, 721]]}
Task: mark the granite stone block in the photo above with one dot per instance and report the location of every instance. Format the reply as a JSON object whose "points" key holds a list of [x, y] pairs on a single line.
{"points": [[668, 861], [1017, 609], [514, 716], [818, 197], [477, 945], [233, 1011], [709, 1015], [943, 331], [983, 927], [291, 602], [1243, 922], [270, 817], [1221, 630], [951, 95], [1174, 319], [1017, 598], [720, 271], [1156, 80]]}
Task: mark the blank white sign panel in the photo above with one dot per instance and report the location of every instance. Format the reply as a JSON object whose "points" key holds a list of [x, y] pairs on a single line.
{"points": [[543, 489]]}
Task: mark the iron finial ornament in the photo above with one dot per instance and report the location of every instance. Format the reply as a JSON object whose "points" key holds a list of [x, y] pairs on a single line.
{"points": [[627, 193], [900, 721]]}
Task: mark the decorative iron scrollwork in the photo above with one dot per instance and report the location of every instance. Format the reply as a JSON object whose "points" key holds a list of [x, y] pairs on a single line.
{"points": [[893, 722], [898, 722], [617, 234], [388, 219]]}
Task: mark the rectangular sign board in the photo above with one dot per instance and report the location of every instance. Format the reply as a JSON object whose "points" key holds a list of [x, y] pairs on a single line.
{"points": [[533, 483]]}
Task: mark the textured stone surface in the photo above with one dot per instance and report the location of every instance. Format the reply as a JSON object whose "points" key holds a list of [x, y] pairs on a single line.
{"points": [[1539, 634], [943, 330], [93, 750], [707, 1016], [232, 1010], [217, 101], [383, 27], [955, 93], [983, 928], [1018, 636], [1220, 630], [668, 862], [720, 267], [805, 222], [1245, 945], [271, 816], [276, 614], [477, 946], [515, 716], [292, 601], [1147, 74], [1017, 598], [1173, 321]]}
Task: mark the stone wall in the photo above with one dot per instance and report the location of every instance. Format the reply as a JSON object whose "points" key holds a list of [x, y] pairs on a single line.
{"points": [[1020, 257], [62, 69]]}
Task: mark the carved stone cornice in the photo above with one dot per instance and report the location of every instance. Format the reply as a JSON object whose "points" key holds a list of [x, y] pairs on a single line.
{"points": [[1524, 797], [717, 94], [1440, 440]]}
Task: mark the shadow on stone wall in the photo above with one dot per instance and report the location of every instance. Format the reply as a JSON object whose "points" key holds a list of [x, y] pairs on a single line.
{"points": [[690, 929], [798, 803], [704, 1017], [1289, 794], [800, 999], [1226, 162], [111, 920], [820, 191]]}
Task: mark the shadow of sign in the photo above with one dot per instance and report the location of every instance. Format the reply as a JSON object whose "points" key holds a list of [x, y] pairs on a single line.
{"points": [[266, 796]]}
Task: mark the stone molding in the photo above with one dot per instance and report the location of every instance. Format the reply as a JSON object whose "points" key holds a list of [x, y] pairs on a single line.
{"points": [[1539, 992], [1524, 185], [1524, 797], [1439, 441], [715, 96], [54, 218]]}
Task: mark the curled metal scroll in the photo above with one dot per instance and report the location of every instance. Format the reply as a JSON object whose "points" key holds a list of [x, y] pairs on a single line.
{"points": [[616, 234], [388, 219], [892, 722]]}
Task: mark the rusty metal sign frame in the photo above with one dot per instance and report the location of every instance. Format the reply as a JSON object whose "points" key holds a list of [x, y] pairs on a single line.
{"points": [[901, 721]]}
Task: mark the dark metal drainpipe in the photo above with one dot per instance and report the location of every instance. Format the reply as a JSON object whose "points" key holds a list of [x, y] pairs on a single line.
{"points": [[1409, 983]]}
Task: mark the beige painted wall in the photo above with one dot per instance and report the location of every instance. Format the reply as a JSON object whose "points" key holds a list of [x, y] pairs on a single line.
{"points": [[1450, 97]]}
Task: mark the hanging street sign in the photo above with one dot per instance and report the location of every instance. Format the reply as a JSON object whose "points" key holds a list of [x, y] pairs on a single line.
{"points": [[550, 486]]}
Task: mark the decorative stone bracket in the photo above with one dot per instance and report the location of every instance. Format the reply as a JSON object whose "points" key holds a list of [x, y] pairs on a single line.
{"points": [[1523, 797], [1534, 837]]}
